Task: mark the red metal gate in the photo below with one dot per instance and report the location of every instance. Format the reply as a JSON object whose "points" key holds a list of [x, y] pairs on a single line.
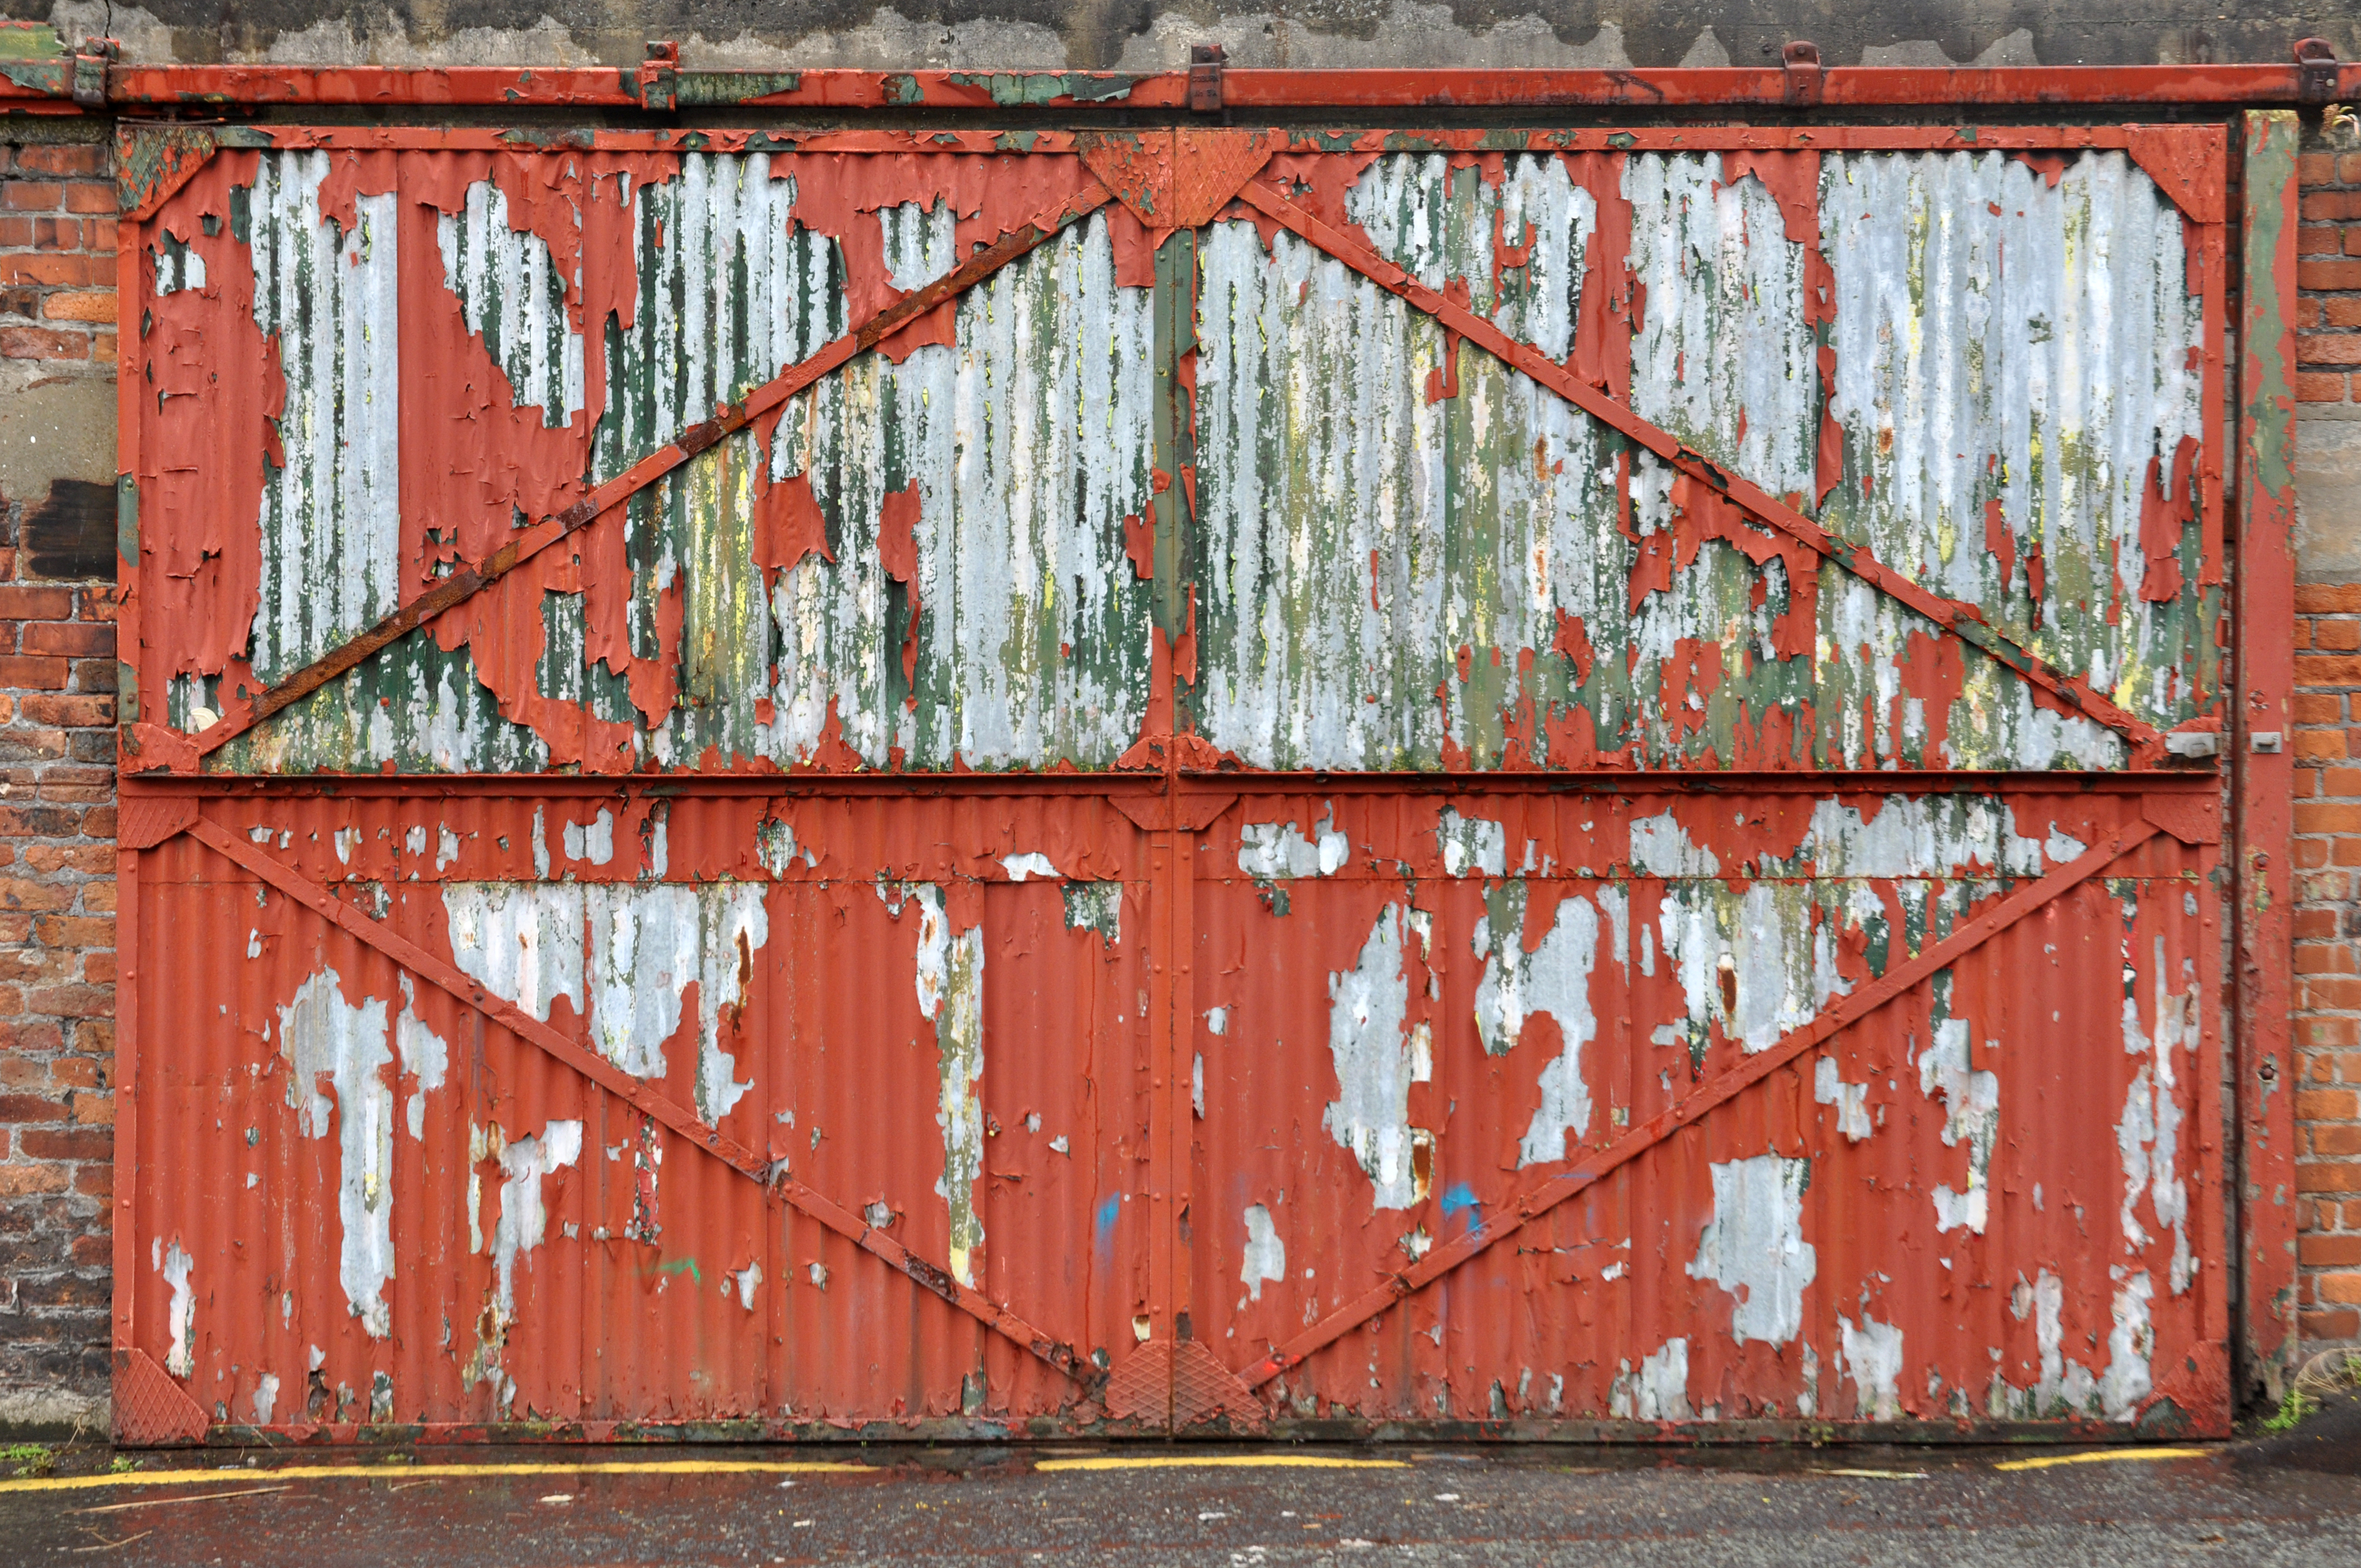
{"points": [[1209, 780]]}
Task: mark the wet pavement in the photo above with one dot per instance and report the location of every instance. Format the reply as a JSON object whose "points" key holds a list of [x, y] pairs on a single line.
{"points": [[2294, 1500]]}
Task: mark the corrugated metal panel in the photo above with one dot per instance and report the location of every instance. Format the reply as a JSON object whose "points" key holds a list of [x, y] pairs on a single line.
{"points": [[827, 960]]}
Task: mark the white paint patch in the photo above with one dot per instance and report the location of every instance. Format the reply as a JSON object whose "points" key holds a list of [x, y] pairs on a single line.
{"points": [[425, 1055], [1851, 1100], [1659, 1391], [950, 993], [322, 1035], [181, 1316], [1020, 867], [1661, 848], [1217, 1020], [1471, 844], [1368, 1043], [1753, 1246], [646, 944], [1265, 1252], [266, 1399], [1872, 1357], [1924, 835], [2130, 1343], [775, 849], [1277, 851], [523, 1222], [2148, 1137], [1780, 956], [746, 1279], [447, 848], [1972, 1110], [1555, 978], [520, 941], [1095, 906], [593, 841]]}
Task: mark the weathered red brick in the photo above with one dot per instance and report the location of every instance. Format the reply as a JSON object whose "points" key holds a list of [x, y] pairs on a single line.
{"points": [[71, 710], [40, 343], [96, 306], [70, 1143], [33, 195], [74, 638], [63, 158]]}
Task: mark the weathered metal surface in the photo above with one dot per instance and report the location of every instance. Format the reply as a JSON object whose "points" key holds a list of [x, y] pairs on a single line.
{"points": [[932, 1023], [1503, 545], [498, 1239], [1944, 1213], [2265, 795]]}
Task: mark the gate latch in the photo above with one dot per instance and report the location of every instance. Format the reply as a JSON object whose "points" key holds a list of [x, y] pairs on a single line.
{"points": [[1802, 59], [1206, 79], [660, 76], [2315, 69], [89, 63]]}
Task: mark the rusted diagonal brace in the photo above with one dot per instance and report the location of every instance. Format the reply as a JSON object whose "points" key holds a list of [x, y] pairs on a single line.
{"points": [[1961, 619], [1846, 1012], [782, 1187], [468, 581]]}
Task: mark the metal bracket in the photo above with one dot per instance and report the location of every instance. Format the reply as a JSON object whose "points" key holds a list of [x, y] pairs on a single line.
{"points": [[1206, 62], [2264, 742], [660, 76], [2316, 71], [89, 62], [2193, 742], [1802, 59]]}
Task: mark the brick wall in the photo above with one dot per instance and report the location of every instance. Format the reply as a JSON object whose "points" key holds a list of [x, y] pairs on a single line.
{"points": [[57, 789]]}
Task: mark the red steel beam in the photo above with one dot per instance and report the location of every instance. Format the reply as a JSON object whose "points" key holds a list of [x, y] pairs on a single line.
{"points": [[1647, 1134], [222, 87], [1963, 621], [2262, 805], [771, 1176], [468, 581]]}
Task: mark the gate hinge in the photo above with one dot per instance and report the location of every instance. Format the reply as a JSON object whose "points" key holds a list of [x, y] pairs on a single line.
{"points": [[89, 62], [2316, 72], [1206, 79], [1802, 59], [660, 76]]}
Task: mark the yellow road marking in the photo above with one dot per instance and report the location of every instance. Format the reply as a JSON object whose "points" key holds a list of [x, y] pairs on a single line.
{"points": [[2102, 1456], [243, 1475], [1229, 1462]]}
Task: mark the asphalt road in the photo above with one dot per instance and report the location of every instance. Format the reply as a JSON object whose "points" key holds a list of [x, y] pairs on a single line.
{"points": [[2295, 1501]]}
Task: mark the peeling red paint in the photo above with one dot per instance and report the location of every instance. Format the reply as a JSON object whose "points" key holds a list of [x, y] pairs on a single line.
{"points": [[2166, 510], [897, 551], [216, 387]]}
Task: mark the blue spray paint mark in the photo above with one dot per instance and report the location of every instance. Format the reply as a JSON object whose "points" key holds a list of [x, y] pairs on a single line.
{"points": [[1460, 1199], [1107, 1211]]}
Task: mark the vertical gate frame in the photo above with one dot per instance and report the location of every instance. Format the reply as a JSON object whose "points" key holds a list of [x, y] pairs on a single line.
{"points": [[2262, 797]]}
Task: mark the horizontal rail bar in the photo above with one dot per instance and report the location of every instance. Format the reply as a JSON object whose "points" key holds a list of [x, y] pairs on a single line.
{"points": [[2196, 781], [523, 88]]}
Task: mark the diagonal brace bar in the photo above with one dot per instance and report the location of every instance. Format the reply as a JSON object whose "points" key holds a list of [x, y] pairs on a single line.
{"points": [[1588, 1171], [780, 1186], [468, 581], [1963, 621]]}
